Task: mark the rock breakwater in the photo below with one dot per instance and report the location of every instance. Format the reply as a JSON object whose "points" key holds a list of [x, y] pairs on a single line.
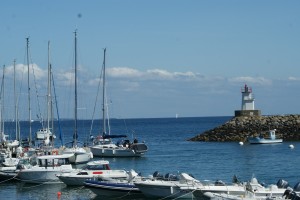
{"points": [[239, 128]]}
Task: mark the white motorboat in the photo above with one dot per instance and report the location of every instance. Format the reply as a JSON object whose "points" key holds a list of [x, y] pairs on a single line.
{"points": [[261, 140], [249, 195], [48, 166], [98, 168], [115, 187], [169, 186], [261, 191], [232, 189], [246, 196], [103, 145]]}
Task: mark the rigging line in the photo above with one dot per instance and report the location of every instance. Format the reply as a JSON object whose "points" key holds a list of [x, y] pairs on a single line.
{"points": [[58, 118], [37, 95], [10, 178], [95, 105]]}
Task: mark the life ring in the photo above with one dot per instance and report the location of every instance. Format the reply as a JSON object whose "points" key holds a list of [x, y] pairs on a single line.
{"points": [[55, 152]]}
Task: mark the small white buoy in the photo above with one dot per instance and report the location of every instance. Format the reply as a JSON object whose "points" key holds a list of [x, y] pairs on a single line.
{"points": [[291, 146], [241, 143]]}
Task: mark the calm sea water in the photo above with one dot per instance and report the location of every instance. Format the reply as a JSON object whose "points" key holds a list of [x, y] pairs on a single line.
{"points": [[169, 152]]}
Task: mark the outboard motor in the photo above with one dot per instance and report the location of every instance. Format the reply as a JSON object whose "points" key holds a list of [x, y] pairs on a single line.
{"points": [[287, 193], [294, 196], [219, 183], [157, 175], [297, 187], [171, 177], [282, 183], [235, 179]]}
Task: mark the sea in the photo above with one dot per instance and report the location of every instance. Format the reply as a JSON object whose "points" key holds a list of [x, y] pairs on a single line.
{"points": [[169, 152]]}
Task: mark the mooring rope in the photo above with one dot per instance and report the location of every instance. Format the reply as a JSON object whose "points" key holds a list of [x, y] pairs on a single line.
{"points": [[9, 179]]}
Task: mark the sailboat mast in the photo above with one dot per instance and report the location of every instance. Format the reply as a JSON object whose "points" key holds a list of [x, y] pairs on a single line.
{"points": [[75, 131], [103, 96], [29, 106], [2, 101], [49, 91], [15, 101]]}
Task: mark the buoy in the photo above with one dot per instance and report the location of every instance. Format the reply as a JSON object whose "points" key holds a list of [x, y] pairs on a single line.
{"points": [[58, 195], [241, 143], [291, 146]]}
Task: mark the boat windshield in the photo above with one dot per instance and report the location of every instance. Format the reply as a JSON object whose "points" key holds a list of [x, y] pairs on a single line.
{"points": [[53, 162], [97, 167]]}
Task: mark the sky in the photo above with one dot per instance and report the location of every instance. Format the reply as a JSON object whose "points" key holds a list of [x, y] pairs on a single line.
{"points": [[163, 58]]}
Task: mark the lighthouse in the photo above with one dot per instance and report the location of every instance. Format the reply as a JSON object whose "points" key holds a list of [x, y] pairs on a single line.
{"points": [[247, 98], [247, 108]]}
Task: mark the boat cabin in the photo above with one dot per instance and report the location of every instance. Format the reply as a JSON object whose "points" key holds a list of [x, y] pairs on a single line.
{"points": [[97, 165], [53, 160]]}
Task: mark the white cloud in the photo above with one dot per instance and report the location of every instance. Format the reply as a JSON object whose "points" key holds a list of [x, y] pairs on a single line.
{"points": [[65, 78], [151, 74], [123, 72], [291, 78], [22, 69]]}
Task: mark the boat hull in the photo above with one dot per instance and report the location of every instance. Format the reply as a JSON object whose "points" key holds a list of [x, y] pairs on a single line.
{"points": [[112, 189], [232, 190], [169, 190], [138, 150], [264, 141], [8, 175], [78, 180], [73, 181], [39, 176]]}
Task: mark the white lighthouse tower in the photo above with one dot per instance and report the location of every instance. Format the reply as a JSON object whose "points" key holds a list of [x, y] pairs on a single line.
{"points": [[247, 103], [247, 98]]}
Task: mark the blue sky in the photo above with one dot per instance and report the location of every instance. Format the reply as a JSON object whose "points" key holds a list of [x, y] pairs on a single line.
{"points": [[163, 57]]}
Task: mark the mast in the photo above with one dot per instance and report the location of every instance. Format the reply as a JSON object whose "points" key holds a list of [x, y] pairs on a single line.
{"points": [[49, 91], [29, 106], [75, 131], [103, 96], [2, 102], [15, 101]]}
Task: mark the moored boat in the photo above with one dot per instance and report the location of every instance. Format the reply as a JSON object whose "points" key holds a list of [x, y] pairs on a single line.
{"points": [[103, 145], [169, 186], [261, 140], [46, 169], [92, 169], [115, 187]]}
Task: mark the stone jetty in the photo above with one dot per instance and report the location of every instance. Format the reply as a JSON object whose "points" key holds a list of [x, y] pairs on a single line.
{"points": [[239, 128]]}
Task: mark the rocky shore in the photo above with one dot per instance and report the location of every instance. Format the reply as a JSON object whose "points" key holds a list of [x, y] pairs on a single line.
{"points": [[239, 128]]}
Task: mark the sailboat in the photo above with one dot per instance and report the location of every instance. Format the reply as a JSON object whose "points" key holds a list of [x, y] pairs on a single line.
{"points": [[45, 133], [80, 154], [103, 145], [10, 144]]}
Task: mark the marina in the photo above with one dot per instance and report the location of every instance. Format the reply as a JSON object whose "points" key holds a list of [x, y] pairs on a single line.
{"points": [[170, 152]]}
